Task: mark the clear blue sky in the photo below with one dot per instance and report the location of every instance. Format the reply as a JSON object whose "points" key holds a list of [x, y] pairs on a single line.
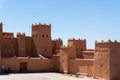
{"points": [[90, 19]]}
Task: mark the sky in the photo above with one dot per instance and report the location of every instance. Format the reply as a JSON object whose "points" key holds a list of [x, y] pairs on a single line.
{"points": [[85, 19]]}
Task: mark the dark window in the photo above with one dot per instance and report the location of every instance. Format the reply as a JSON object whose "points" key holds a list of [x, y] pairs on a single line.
{"points": [[46, 35], [43, 35], [36, 35], [45, 50], [33, 35], [101, 65]]}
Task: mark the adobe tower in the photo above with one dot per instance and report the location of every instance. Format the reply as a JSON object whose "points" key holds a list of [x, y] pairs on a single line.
{"points": [[42, 42], [107, 60]]}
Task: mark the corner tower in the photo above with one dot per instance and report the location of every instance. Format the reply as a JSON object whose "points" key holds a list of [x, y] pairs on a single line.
{"points": [[79, 44], [107, 60], [41, 34]]}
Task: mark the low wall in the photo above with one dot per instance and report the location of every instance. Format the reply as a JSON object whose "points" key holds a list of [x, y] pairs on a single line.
{"points": [[80, 66], [33, 64], [88, 54]]}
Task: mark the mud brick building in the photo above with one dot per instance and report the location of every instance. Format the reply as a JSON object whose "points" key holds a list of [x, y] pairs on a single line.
{"points": [[39, 53]]}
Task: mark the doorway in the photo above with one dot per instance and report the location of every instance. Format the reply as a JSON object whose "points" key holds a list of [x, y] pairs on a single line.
{"points": [[23, 66]]}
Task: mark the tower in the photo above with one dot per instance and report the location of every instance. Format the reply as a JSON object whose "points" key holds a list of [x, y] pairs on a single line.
{"points": [[42, 42], [21, 45], [1, 25], [56, 45], [107, 60], [79, 45]]}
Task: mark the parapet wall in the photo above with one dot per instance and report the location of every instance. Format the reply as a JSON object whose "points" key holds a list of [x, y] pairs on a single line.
{"points": [[8, 35], [112, 45], [81, 66], [43, 25]]}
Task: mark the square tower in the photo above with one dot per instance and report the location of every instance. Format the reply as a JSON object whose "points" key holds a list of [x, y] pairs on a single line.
{"points": [[80, 46], [107, 60], [42, 42]]}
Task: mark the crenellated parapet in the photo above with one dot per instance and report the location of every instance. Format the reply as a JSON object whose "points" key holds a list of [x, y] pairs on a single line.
{"points": [[107, 44], [73, 39], [20, 34], [59, 39], [39, 24], [108, 41], [8, 35]]}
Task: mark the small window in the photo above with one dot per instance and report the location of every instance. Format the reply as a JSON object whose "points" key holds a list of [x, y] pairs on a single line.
{"points": [[101, 65], [45, 50], [36, 35], [33, 35], [46, 35], [43, 35]]}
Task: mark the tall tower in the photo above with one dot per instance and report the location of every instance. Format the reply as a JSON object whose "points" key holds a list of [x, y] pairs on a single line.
{"points": [[21, 45], [107, 60], [41, 34], [1, 25]]}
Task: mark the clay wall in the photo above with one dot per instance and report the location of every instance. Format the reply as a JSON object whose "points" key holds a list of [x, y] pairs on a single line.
{"points": [[9, 47], [29, 46], [8, 35], [56, 45], [88, 54], [81, 66], [102, 60], [77, 43], [114, 60], [72, 53], [56, 59], [21, 44], [33, 64], [107, 59], [63, 62]]}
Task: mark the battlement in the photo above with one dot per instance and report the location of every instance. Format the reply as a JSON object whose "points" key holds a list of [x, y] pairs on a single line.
{"points": [[42, 25], [20, 34], [73, 39], [8, 35], [109, 41], [59, 39], [107, 44]]}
